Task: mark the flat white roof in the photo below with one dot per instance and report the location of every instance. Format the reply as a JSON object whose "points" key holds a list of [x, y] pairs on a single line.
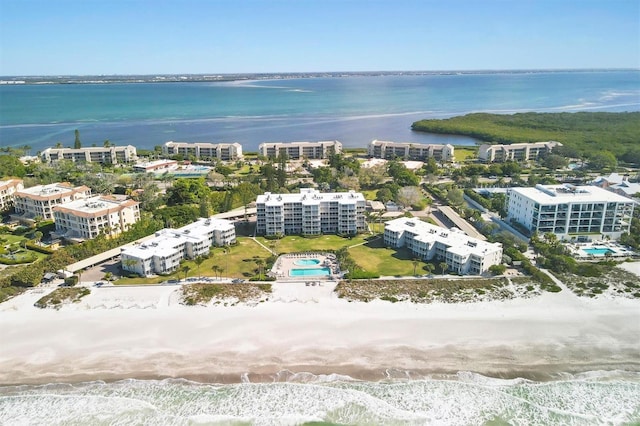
{"points": [[95, 204], [311, 196], [559, 194], [50, 189], [457, 241]]}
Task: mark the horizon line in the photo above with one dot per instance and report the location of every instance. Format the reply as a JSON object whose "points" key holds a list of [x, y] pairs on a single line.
{"points": [[298, 73]]}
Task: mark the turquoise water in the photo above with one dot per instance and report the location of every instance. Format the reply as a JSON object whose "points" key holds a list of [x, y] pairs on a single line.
{"points": [[306, 262], [291, 399], [599, 251], [309, 272], [354, 110]]}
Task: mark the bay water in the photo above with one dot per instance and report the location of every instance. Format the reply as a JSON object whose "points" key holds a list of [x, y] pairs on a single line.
{"points": [[351, 109]]}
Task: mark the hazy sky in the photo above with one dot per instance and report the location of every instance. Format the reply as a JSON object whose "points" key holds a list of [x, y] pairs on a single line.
{"points": [[53, 37]]}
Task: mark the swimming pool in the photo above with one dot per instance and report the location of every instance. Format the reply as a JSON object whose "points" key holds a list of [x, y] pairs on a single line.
{"points": [[307, 262], [597, 251], [310, 272]]}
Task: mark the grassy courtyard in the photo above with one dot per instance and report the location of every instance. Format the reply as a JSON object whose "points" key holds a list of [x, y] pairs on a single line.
{"points": [[296, 243], [375, 257], [239, 262]]}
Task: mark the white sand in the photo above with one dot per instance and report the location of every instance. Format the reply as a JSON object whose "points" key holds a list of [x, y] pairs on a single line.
{"points": [[144, 333]]}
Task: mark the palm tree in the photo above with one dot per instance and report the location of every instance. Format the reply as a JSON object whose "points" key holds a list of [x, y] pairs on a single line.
{"points": [[185, 269], [415, 262], [260, 263], [429, 267], [443, 267], [198, 261], [216, 269]]}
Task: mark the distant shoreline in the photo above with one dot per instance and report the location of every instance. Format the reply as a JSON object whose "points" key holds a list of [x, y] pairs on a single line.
{"points": [[223, 78]]}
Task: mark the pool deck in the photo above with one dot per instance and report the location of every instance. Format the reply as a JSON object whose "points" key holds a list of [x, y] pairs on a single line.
{"points": [[614, 250], [286, 262]]}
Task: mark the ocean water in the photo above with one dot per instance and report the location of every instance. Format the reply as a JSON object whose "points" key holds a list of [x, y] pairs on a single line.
{"points": [[353, 110], [610, 398]]}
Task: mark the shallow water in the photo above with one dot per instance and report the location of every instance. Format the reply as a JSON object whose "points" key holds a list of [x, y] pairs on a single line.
{"points": [[465, 398]]}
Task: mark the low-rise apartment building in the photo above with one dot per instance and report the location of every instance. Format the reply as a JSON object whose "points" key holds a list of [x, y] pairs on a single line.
{"points": [[104, 155], [463, 254], [87, 218], [298, 150], [311, 213], [204, 150], [39, 201], [8, 188], [155, 166], [411, 151], [570, 212], [169, 247], [515, 151]]}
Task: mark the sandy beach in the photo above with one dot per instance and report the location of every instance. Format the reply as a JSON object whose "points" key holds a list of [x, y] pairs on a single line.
{"points": [[144, 332]]}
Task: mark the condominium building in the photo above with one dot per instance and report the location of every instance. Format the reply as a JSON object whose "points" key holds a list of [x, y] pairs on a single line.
{"points": [[571, 212], [220, 151], [169, 247], [8, 188], [39, 201], [515, 151], [104, 155], [463, 254], [410, 151], [298, 150], [87, 218], [310, 213]]}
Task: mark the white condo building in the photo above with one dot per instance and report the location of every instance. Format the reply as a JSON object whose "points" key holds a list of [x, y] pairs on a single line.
{"points": [[571, 212], [105, 155], [39, 201], [169, 247], [8, 188], [411, 151], [515, 151], [87, 218], [311, 213], [220, 151], [298, 150], [463, 254]]}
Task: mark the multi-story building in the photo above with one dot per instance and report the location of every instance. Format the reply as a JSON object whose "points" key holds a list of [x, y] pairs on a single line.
{"points": [[169, 247], [202, 150], [39, 201], [310, 213], [515, 151], [463, 254], [410, 151], [87, 218], [298, 150], [104, 155], [8, 188], [570, 212]]}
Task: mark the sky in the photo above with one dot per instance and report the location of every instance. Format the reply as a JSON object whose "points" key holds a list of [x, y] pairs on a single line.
{"points": [[91, 37]]}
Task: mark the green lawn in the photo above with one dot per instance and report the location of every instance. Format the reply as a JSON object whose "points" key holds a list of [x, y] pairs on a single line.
{"points": [[369, 194], [375, 257], [238, 263], [461, 154], [295, 243]]}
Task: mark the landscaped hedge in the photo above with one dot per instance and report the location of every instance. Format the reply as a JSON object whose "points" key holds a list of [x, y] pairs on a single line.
{"points": [[40, 249]]}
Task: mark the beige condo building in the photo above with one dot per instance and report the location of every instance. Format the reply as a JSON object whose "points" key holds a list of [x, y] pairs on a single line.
{"points": [[201, 150], [298, 150], [515, 151], [411, 151], [104, 155], [87, 218], [8, 188], [39, 201]]}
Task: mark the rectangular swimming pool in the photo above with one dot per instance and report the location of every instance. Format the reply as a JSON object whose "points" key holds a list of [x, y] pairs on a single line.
{"points": [[310, 272], [597, 251]]}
